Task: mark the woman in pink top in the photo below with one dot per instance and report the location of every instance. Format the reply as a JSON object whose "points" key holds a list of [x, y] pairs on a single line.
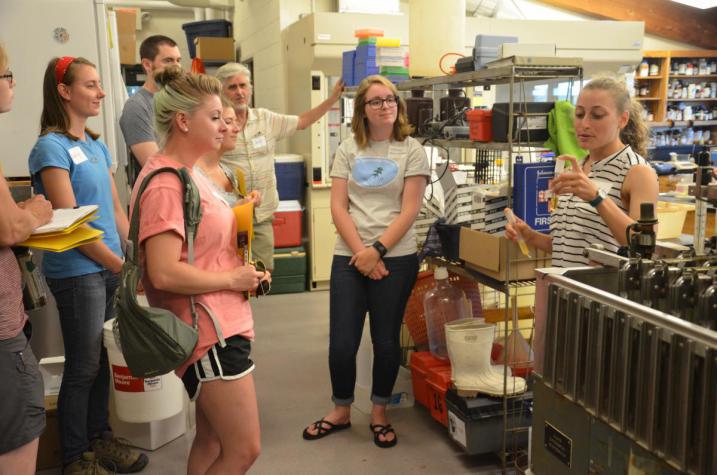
{"points": [[188, 120]]}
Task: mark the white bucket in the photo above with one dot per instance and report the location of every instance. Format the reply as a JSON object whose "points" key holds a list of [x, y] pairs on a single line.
{"points": [[140, 399]]}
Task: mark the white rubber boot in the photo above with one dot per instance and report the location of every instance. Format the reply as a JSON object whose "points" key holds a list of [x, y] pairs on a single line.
{"points": [[469, 345]]}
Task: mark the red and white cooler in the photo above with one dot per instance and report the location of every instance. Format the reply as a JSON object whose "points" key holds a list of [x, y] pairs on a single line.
{"points": [[287, 224]]}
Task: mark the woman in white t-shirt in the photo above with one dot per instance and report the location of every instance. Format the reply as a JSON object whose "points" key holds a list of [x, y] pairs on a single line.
{"points": [[600, 197], [379, 176]]}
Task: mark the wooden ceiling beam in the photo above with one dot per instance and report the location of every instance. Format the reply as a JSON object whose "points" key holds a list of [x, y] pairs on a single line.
{"points": [[662, 17]]}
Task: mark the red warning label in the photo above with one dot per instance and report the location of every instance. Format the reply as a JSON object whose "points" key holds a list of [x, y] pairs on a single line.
{"points": [[125, 382]]}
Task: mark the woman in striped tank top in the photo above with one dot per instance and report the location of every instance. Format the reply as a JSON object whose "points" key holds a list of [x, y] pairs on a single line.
{"points": [[599, 198]]}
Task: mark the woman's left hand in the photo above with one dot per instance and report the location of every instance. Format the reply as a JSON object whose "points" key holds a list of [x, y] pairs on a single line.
{"points": [[575, 182], [254, 196], [365, 260]]}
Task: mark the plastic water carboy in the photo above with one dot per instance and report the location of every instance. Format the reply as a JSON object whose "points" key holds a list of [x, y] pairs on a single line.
{"points": [[442, 304]]}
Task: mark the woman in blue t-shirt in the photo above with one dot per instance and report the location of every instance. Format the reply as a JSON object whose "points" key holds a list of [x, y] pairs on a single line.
{"points": [[71, 167]]}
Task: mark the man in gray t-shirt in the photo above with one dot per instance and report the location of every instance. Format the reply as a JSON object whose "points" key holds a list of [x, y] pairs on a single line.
{"points": [[137, 119]]}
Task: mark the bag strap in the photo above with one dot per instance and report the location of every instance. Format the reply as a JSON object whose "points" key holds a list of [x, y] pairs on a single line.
{"points": [[191, 204]]}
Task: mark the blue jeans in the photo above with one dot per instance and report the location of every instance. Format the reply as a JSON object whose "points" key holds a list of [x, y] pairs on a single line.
{"points": [[84, 302], [351, 296]]}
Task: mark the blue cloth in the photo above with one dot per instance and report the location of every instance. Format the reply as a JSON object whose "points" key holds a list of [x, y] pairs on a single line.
{"points": [[84, 303], [351, 295], [88, 164]]}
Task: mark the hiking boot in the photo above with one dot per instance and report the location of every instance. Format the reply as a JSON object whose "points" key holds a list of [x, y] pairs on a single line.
{"points": [[85, 465], [116, 455]]}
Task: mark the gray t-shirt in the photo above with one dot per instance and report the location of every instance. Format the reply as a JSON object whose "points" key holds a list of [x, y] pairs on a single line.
{"points": [[137, 119], [375, 178]]}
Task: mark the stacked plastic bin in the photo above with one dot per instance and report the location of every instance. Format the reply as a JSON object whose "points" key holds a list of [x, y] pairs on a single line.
{"points": [[391, 59], [206, 28], [290, 265], [365, 59], [374, 55]]}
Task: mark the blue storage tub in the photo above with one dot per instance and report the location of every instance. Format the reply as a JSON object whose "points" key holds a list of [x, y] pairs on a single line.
{"points": [[216, 28], [290, 176], [347, 67]]}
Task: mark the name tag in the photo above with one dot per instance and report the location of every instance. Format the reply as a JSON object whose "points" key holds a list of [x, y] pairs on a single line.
{"points": [[258, 142], [77, 155]]}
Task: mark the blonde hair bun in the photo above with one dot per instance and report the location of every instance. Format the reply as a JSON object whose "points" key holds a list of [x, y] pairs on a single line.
{"points": [[167, 75]]}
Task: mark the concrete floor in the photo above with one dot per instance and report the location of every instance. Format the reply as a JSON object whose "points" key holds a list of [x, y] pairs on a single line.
{"points": [[293, 390]]}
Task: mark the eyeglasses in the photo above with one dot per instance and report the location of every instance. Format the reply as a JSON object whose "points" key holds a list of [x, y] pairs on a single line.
{"points": [[7, 76], [377, 102]]}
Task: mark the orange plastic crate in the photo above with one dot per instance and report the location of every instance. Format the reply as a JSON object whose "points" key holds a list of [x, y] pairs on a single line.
{"points": [[437, 383], [421, 363]]}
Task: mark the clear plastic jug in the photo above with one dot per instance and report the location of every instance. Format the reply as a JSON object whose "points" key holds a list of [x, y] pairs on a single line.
{"points": [[442, 304]]}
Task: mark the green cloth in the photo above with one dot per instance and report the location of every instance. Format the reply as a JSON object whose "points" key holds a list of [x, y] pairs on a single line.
{"points": [[563, 140]]}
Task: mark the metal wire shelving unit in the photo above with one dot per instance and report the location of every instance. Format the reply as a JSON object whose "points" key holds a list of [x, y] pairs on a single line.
{"points": [[514, 73]]}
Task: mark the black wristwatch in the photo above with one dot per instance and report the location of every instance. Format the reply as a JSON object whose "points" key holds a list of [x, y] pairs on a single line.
{"points": [[380, 248], [601, 195]]}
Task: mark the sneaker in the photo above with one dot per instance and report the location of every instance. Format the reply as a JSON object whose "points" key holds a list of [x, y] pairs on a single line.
{"points": [[85, 465], [116, 455]]}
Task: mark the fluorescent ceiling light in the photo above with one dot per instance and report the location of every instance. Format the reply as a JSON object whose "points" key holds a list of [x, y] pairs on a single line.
{"points": [[703, 4]]}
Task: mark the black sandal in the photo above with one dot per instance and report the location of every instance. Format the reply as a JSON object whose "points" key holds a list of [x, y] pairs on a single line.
{"points": [[384, 431], [322, 430]]}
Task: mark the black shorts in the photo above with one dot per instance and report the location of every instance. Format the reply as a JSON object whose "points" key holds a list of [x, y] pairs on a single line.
{"points": [[22, 411], [230, 362]]}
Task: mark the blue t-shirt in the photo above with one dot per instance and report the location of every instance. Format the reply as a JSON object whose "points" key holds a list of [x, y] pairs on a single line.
{"points": [[88, 164]]}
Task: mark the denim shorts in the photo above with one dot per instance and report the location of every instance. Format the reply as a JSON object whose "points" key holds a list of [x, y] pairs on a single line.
{"points": [[22, 411], [230, 362]]}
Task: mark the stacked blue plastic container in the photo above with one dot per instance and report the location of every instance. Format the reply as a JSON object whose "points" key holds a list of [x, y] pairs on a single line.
{"points": [[347, 67], [365, 62]]}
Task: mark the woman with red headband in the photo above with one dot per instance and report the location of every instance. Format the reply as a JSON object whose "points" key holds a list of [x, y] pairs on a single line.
{"points": [[71, 167]]}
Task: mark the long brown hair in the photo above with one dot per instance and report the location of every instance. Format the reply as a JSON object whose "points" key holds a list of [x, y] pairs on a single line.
{"points": [[635, 133], [359, 123], [54, 115]]}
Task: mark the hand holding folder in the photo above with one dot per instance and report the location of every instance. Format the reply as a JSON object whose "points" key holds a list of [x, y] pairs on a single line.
{"points": [[65, 231]]}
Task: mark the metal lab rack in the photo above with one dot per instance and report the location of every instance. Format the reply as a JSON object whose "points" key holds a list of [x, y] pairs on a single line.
{"points": [[513, 72], [636, 370]]}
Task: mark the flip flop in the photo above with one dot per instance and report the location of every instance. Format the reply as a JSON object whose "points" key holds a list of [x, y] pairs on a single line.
{"points": [[384, 431], [322, 430]]}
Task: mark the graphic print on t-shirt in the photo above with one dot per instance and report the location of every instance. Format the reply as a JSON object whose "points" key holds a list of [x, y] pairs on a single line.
{"points": [[372, 172]]}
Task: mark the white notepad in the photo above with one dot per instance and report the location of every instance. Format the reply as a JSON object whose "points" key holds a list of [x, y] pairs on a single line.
{"points": [[65, 218]]}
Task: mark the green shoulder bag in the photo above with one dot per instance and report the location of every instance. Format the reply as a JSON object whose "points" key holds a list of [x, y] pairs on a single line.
{"points": [[154, 341]]}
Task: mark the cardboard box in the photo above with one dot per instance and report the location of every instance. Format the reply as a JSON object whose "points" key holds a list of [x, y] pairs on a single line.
{"points": [[127, 34], [49, 453], [211, 48], [486, 253]]}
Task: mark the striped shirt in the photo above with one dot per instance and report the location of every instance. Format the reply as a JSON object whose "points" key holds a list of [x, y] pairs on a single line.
{"points": [[12, 312], [575, 224]]}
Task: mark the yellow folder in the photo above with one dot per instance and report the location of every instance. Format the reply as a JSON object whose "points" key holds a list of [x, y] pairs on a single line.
{"points": [[244, 215], [64, 242]]}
